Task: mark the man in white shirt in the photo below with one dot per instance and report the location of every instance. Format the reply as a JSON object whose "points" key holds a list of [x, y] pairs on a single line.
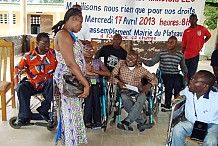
{"points": [[201, 105], [83, 35]]}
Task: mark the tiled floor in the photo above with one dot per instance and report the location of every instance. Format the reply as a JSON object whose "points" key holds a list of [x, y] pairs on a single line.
{"points": [[40, 136]]}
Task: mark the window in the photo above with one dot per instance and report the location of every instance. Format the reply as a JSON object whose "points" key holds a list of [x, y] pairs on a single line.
{"points": [[5, 18], [14, 18], [1, 18], [35, 19]]}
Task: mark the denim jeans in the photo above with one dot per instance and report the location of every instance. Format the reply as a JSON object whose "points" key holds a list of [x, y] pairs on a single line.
{"points": [[183, 129]]}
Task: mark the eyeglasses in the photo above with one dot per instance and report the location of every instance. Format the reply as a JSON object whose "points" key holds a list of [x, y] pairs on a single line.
{"points": [[44, 43], [195, 81], [91, 50]]}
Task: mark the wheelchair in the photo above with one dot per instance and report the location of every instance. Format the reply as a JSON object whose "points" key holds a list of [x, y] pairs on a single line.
{"points": [[157, 93], [52, 123], [177, 114], [147, 109], [106, 102]]}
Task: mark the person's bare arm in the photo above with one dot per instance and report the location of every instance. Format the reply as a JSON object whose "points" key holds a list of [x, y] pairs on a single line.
{"points": [[206, 39], [183, 49], [65, 44]]}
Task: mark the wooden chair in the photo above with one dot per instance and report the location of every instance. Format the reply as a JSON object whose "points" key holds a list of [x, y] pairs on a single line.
{"points": [[95, 46], [33, 43], [6, 48]]}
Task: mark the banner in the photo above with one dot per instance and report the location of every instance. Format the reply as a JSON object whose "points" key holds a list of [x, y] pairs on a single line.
{"points": [[148, 20]]}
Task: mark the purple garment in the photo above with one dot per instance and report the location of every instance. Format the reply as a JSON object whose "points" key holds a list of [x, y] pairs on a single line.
{"points": [[97, 64]]}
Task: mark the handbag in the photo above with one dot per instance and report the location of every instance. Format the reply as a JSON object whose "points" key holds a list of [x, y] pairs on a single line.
{"points": [[200, 128], [72, 87], [199, 131]]}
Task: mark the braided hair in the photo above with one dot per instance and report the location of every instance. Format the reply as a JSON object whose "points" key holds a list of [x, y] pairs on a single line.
{"points": [[68, 14]]}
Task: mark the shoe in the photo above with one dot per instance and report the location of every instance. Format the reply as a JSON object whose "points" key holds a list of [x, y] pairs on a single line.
{"points": [[22, 122], [44, 115], [88, 125], [126, 125], [165, 108], [97, 126], [141, 127]]}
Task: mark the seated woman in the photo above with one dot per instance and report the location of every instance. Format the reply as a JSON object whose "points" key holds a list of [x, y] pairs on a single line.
{"points": [[94, 68]]}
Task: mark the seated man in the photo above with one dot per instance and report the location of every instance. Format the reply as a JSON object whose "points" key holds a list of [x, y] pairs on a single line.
{"points": [[39, 65], [130, 72], [201, 105]]}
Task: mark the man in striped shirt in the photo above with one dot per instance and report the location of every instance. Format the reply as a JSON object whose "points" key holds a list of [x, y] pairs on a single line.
{"points": [[169, 60]]}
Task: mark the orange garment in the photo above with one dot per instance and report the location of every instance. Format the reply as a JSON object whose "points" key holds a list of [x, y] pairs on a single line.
{"points": [[38, 69]]}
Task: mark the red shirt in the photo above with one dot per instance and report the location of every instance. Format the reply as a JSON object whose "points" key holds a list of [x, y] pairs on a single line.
{"points": [[38, 69], [193, 40]]}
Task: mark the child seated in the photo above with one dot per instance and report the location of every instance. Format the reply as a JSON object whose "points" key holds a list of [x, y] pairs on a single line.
{"points": [[94, 69], [169, 60]]}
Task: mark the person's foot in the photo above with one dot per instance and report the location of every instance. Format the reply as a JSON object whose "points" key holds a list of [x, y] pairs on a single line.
{"points": [[44, 115], [141, 127], [127, 125], [165, 108], [22, 121], [97, 126], [88, 125]]}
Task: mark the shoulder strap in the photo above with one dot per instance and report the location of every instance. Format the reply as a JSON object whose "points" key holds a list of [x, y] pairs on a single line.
{"points": [[73, 36]]}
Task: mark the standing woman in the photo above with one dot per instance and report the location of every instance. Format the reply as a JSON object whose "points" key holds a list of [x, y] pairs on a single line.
{"points": [[69, 53]]}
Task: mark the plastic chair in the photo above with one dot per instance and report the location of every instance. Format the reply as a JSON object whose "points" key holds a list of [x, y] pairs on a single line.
{"points": [[6, 48]]}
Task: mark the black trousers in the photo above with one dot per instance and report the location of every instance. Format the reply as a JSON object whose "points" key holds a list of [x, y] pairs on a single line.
{"points": [[92, 108], [24, 92], [172, 82], [192, 65]]}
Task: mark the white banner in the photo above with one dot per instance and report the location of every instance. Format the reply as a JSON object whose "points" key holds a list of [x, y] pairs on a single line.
{"points": [[148, 20]]}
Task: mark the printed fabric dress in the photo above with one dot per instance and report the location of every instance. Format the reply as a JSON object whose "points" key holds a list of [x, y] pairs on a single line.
{"points": [[71, 129]]}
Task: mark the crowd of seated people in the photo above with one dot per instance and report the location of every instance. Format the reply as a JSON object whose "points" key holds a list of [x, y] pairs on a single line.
{"points": [[122, 69]]}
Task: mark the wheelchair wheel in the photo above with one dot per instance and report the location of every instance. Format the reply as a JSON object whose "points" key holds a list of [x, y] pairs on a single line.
{"points": [[109, 103], [112, 122], [52, 125], [156, 102], [12, 123]]}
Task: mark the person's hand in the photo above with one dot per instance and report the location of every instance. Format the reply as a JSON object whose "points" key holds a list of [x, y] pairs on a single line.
{"points": [[185, 80], [88, 67], [15, 86], [91, 73], [145, 89], [121, 85], [85, 92]]}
